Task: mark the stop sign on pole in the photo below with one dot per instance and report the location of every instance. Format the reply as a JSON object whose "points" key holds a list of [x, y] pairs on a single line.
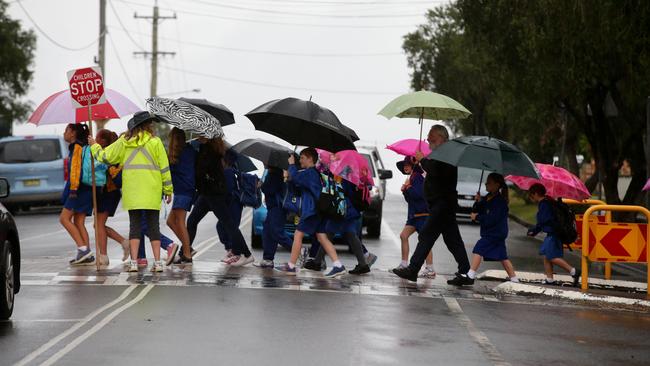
{"points": [[86, 86]]}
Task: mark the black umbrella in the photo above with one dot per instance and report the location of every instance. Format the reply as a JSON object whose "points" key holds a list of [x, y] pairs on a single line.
{"points": [[302, 122], [244, 163], [219, 111], [268, 152]]}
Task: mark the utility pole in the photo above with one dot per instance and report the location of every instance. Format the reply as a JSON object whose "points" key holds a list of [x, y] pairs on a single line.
{"points": [[647, 146], [154, 54], [101, 52]]}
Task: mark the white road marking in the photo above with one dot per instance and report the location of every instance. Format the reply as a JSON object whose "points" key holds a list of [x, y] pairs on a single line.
{"points": [[392, 236], [479, 337], [41, 235], [207, 247], [30, 357], [77, 341]]}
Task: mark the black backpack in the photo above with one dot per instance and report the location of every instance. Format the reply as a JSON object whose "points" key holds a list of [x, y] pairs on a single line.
{"points": [[360, 198], [564, 225], [331, 202]]}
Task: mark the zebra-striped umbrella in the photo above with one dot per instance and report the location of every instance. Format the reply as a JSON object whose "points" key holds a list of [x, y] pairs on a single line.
{"points": [[185, 116]]}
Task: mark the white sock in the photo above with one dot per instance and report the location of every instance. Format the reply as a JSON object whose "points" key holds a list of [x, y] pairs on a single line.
{"points": [[572, 272], [83, 248], [291, 265], [514, 279], [429, 268], [550, 280], [404, 263], [337, 263], [471, 274]]}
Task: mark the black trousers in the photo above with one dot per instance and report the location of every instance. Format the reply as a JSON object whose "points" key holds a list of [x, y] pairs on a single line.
{"points": [[441, 220]]}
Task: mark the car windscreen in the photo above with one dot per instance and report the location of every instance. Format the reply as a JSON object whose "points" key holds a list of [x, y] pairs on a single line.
{"points": [[29, 151], [370, 164], [469, 175]]}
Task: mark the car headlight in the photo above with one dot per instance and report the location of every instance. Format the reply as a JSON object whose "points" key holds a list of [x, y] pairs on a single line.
{"points": [[465, 197]]}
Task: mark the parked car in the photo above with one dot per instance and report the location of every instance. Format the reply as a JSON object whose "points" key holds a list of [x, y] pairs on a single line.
{"points": [[371, 218], [36, 168], [9, 257], [469, 181]]}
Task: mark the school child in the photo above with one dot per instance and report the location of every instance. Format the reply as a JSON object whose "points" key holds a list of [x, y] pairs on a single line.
{"points": [[552, 249], [308, 180], [417, 212], [145, 178], [235, 208], [273, 232], [77, 197], [491, 212], [182, 158], [165, 244], [108, 198]]}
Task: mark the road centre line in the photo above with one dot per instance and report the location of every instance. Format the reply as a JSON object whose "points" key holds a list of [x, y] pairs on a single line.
{"points": [[52, 342], [77, 341], [479, 337], [42, 235], [207, 247]]}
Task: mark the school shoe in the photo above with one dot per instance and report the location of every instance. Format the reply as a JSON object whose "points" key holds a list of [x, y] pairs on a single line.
{"points": [[336, 272], [311, 265], [172, 250], [126, 250], [243, 260], [133, 266], [427, 273], [157, 266], [225, 257], [232, 260], [264, 263], [371, 259], [142, 262], [182, 260], [461, 280], [576, 277], [284, 268], [551, 283], [406, 274], [82, 257], [360, 269]]}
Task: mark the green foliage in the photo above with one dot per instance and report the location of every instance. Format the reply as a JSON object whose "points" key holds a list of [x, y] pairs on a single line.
{"points": [[524, 68], [16, 54]]}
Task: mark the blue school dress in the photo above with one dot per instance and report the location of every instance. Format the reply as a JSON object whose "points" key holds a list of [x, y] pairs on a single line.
{"points": [[111, 194], [83, 201], [183, 178], [418, 210], [493, 217], [235, 207], [551, 247], [309, 183]]}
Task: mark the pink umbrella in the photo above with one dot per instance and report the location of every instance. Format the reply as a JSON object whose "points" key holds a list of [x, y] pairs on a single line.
{"points": [[324, 159], [58, 108], [646, 187], [351, 166], [409, 147], [558, 182]]}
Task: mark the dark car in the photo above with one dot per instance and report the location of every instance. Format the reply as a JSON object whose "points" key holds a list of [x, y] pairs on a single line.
{"points": [[9, 257]]}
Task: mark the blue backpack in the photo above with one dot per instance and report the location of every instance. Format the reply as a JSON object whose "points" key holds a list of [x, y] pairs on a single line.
{"points": [[292, 201], [250, 193], [86, 169]]}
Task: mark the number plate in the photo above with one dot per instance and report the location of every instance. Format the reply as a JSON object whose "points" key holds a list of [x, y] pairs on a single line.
{"points": [[32, 183]]}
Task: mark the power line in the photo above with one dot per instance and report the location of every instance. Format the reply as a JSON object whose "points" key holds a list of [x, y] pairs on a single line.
{"points": [[258, 21], [126, 75], [124, 28], [347, 3], [277, 86], [52, 39], [268, 52]]}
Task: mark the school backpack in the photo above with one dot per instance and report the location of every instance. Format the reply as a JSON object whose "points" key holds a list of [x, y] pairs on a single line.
{"points": [[361, 198], [331, 202], [564, 225], [86, 169], [250, 193], [292, 201]]}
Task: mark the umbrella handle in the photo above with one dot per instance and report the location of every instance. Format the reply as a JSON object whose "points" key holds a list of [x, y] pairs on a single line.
{"points": [[480, 182], [421, 127]]}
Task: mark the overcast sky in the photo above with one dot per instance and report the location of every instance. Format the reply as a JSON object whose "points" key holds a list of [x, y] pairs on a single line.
{"points": [[346, 55]]}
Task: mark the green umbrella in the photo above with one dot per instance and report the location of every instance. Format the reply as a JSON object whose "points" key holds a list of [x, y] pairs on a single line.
{"points": [[485, 153], [424, 104]]}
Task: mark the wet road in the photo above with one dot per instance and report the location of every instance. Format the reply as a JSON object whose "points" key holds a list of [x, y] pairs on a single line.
{"points": [[212, 314]]}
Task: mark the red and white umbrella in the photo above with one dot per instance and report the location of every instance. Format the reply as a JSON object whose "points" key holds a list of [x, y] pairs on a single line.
{"points": [[58, 108], [559, 182]]}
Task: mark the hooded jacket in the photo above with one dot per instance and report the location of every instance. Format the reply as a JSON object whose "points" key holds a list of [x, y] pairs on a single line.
{"points": [[145, 170]]}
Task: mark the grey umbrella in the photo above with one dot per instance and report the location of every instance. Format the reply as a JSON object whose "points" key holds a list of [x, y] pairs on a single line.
{"points": [[268, 152]]}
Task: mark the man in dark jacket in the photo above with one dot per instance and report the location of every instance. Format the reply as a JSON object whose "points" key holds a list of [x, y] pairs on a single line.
{"points": [[442, 199]]}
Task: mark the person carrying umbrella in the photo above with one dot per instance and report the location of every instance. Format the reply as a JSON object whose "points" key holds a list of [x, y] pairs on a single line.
{"points": [[145, 178], [442, 199]]}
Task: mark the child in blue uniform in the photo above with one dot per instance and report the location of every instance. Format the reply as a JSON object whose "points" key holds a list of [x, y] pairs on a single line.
{"points": [[491, 212], [309, 182], [235, 207], [551, 249], [413, 191], [273, 232], [77, 197]]}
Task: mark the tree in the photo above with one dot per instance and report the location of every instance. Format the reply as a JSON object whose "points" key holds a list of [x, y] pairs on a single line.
{"points": [[16, 54], [561, 71]]}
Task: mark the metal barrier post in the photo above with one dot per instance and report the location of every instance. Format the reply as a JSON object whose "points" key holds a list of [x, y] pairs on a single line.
{"points": [[585, 239]]}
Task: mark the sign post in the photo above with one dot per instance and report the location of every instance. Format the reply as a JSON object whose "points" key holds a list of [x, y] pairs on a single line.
{"points": [[86, 90]]}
